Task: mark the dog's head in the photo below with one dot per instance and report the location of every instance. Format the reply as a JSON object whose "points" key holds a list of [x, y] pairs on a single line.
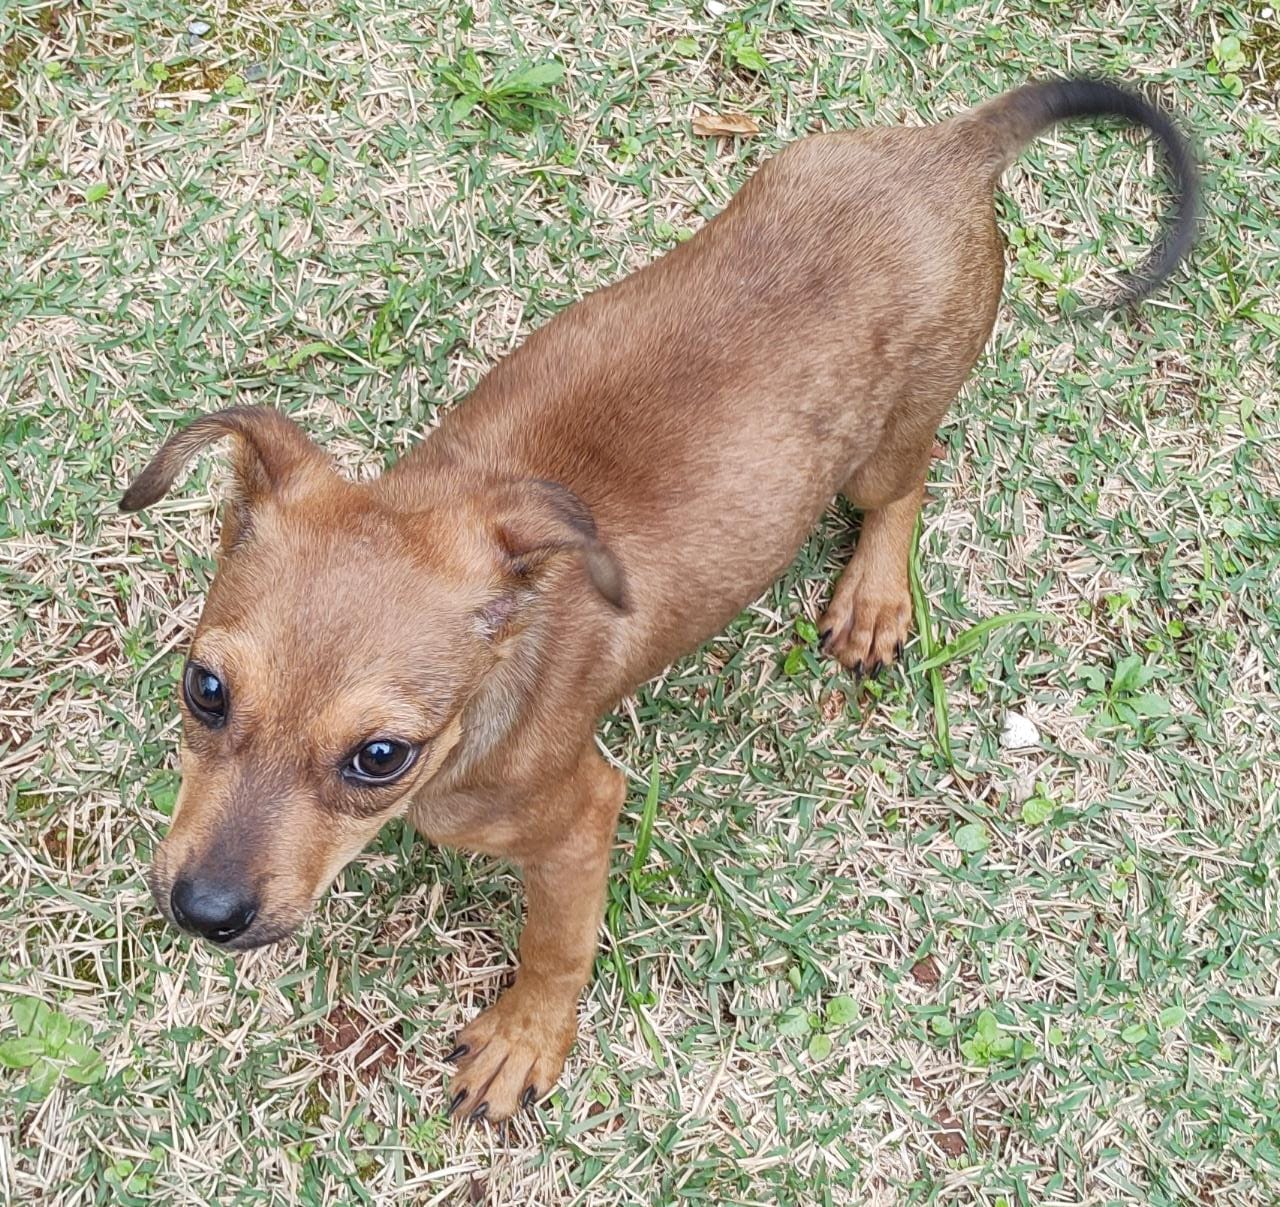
{"points": [[346, 629]]}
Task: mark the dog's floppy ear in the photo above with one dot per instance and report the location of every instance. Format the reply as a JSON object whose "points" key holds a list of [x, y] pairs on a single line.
{"points": [[272, 451], [536, 521]]}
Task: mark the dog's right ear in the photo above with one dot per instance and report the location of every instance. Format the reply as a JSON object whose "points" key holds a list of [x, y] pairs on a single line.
{"points": [[272, 454], [533, 523]]}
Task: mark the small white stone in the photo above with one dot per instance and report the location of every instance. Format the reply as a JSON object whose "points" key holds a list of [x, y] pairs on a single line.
{"points": [[716, 9], [1017, 732], [199, 28]]}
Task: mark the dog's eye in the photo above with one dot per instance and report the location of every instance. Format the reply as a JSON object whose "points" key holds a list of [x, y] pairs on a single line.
{"points": [[206, 697], [380, 761]]}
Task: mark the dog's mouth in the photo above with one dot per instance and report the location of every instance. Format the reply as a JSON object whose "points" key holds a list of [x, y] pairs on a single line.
{"points": [[252, 939]]}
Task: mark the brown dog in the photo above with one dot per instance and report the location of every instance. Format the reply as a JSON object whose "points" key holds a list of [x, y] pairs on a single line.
{"points": [[441, 642]]}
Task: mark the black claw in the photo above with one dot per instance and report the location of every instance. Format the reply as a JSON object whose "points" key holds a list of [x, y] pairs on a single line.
{"points": [[457, 1054], [823, 638], [897, 651], [528, 1098], [480, 1112], [857, 669], [874, 669], [458, 1099]]}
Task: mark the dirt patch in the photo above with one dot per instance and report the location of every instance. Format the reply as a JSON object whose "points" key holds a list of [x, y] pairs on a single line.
{"points": [[950, 1134], [926, 972], [1208, 1191], [349, 1040], [101, 646], [13, 734], [55, 842]]}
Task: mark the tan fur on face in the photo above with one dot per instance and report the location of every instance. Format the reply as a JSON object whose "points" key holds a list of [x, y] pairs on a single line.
{"points": [[264, 803], [298, 855]]}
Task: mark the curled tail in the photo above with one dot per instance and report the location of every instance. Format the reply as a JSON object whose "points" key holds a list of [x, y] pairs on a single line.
{"points": [[1014, 119]]}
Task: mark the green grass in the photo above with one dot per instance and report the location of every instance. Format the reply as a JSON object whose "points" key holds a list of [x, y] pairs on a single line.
{"points": [[807, 992]]}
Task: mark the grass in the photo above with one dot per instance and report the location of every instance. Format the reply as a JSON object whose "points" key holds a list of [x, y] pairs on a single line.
{"points": [[840, 966]]}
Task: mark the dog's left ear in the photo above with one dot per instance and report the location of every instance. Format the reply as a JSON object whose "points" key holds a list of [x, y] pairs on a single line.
{"points": [[272, 452], [535, 522]]}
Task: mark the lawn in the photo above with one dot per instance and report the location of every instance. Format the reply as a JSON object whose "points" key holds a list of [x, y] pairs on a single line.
{"points": [[857, 950]]}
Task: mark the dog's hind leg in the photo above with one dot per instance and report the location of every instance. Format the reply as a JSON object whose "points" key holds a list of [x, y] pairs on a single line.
{"points": [[867, 621]]}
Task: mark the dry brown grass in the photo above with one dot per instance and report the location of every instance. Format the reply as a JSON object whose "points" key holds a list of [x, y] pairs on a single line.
{"points": [[325, 240]]}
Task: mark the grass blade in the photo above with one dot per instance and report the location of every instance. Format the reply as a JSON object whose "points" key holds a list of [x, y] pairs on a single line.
{"points": [[924, 626], [969, 641]]}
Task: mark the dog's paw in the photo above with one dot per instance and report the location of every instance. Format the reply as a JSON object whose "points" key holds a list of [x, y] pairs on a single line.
{"points": [[867, 623], [510, 1056]]}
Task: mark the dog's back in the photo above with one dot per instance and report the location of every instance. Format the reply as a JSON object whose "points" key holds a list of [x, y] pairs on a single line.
{"points": [[710, 405]]}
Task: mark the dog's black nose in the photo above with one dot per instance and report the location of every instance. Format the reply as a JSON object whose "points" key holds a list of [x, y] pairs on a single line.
{"points": [[215, 911]]}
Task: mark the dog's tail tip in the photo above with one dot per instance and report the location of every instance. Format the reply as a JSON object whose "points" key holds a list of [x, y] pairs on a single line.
{"points": [[132, 500], [1011, 121], [149, 486]]}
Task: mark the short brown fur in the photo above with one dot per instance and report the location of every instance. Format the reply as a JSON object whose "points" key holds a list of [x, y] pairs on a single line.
{"points": [[610, 495]]}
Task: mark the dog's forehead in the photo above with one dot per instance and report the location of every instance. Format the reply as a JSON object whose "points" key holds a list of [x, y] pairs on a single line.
{"points": [[342, 600], [304, 560]]}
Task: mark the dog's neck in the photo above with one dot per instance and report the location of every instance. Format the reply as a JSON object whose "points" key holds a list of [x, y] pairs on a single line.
{"points": [[495, 711], [464, 803]]}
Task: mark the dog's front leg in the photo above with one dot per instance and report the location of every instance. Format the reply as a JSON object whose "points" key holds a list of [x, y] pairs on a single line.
{"points": [[513, 1053]]}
